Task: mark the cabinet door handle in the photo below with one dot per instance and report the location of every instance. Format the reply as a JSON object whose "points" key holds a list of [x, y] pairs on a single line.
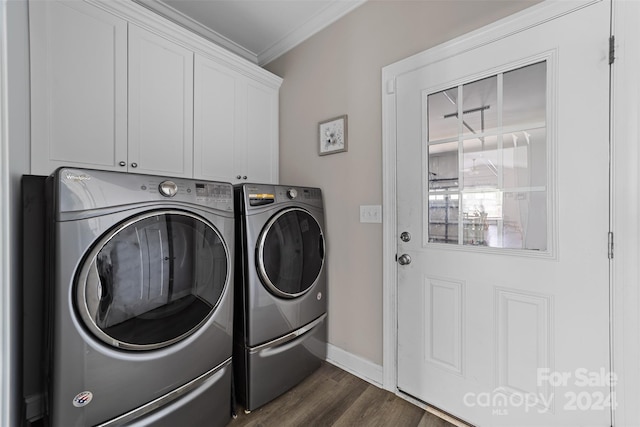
{"points": [[123, 164], [134, 165], [244, 177], [238, 177]]}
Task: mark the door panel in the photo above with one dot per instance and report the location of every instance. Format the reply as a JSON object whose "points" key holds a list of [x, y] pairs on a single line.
{"points": [[78, 86], [160, 105], [503, 309]]}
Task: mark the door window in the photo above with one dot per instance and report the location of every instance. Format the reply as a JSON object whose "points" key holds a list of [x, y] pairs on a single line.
{"points": [[291, 253], [153, 280], [487, 161]]}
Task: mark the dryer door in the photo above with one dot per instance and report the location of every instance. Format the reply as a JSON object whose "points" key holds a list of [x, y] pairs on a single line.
{"points": [[152, 280], [290, 253]]}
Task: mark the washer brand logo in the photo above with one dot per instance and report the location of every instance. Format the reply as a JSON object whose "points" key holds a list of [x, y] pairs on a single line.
{"points": [[82, 399], [75, 177]]}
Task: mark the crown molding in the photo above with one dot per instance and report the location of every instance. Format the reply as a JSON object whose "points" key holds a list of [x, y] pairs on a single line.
{"points": [[170, 13], [135, 13], [327, 16]]}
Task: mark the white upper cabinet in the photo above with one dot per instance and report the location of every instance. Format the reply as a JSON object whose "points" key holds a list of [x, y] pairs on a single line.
{"points": [[235, 126], [215, 124], [117, 87], [262, 133], [79, 86], [160, 105]]}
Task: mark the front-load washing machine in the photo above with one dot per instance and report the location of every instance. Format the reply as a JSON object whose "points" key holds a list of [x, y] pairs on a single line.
{"points": [[141, 300], [281, 290]]}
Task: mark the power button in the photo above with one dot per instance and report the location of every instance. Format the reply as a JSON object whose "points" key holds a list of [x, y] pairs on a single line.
{"points": [[168, 188]]}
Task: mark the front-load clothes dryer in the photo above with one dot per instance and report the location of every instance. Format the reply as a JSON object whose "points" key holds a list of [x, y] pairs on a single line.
{"points": [[141, 300], [281, 290]]}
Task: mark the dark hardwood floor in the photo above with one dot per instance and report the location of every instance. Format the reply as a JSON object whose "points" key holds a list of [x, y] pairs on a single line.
{"points": [[333, 397]]}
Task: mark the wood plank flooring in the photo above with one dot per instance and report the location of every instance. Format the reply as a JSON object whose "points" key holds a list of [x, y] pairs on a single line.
{"points": [[333, 397]]}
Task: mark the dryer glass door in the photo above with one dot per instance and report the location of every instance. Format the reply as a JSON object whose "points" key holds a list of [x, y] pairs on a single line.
{"points": [[291, 253], [153, 280]]}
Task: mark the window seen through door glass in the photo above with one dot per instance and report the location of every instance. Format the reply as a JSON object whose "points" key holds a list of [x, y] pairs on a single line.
{"points": [[487, 161]]}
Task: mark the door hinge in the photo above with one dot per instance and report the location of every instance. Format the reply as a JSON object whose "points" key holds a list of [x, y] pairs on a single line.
{"points": [[610, 245], [612, 49]]}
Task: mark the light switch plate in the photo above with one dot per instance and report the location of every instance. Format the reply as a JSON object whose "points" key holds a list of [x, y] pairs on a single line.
{"points": [[371, 214]]}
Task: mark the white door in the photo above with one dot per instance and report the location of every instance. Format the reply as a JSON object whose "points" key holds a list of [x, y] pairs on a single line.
{"points": [[503, 193]]}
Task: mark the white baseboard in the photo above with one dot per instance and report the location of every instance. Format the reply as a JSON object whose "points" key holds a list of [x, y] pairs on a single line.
{"points": [[355, 365]]}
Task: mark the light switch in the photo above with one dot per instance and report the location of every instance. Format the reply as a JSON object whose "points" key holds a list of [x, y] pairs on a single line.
{"points": [[371, 213]]}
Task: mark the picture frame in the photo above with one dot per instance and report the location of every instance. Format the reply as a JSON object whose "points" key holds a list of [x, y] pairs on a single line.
{"points": [[332, 136]]}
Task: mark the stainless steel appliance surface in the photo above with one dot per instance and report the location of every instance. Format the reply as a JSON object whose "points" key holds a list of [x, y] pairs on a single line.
{"points": [[281, 290], [141, 300]]}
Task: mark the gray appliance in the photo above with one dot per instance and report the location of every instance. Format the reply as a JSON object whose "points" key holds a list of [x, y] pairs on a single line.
{"points": [[281, 290], [141, 297]]}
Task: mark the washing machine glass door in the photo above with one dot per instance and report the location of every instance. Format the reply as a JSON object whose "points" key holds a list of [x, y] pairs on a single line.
{"points": [[290, 253], [152, 280]]}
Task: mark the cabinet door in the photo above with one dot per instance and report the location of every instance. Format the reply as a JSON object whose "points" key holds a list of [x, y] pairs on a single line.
{"points": [[216, 128], [262, 133], [160, 105], [79, 86]]}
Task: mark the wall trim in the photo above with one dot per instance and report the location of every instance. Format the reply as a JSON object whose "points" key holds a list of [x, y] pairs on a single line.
{"points": [[625, 209], [356, 365], [140, 15], [6, 322], [327, 16], [163, 9]]}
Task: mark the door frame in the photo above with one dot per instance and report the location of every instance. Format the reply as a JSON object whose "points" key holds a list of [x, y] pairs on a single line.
{"points": [[624, 187]]}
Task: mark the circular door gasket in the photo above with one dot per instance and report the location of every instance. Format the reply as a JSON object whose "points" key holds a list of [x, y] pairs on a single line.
{"points": [[290, 253], [89, 291]]}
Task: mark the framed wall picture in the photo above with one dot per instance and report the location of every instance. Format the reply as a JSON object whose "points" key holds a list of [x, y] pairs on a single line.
{"points": [[332, 136]]}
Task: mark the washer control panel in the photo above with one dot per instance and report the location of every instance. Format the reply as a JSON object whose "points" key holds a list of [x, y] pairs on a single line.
{"points": [[260, 195]]}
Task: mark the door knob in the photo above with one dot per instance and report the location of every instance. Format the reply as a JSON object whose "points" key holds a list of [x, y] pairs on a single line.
{"points": [[404, 259], [405, 236]]}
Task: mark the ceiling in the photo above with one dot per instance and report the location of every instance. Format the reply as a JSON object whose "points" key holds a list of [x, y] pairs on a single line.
{"points": [[257, 30]]}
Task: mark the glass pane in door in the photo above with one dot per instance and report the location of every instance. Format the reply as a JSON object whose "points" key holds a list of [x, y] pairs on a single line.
{"points": [[480, 106], [480, 167], [488, 172], [442, 111], [525, 96]]}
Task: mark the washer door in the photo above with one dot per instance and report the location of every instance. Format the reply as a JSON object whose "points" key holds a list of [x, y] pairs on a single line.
{"points": [[152, 280], [290, 253]]}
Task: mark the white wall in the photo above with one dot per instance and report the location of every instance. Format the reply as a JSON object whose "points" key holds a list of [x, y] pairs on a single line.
{"points": [[338, 71]]}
